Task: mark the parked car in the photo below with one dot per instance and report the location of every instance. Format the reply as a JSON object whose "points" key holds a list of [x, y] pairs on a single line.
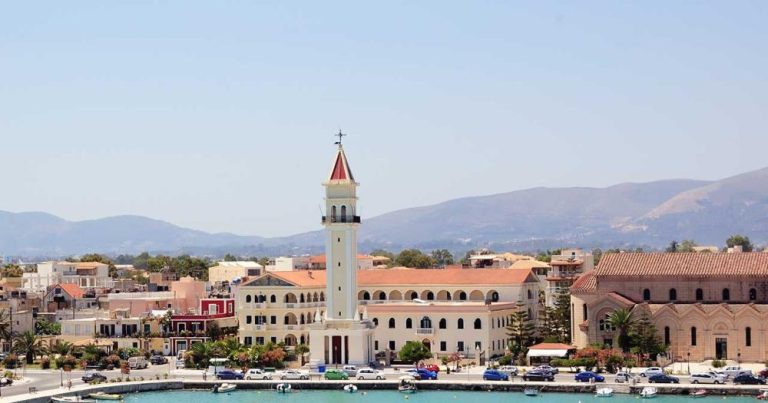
{"points": [[90, 377], [137, 363], [426, 374], [587, 376], [651, 371], [732, 372], [257, 373], [707, 378], [494, 375], [158, 360], [763, 373], [663, 378], [351, 370], [293, 374], [370, 373], [414, 373], [335, 375], [622, 377], [508, 369], [228, 374], [434, 368], [538, 375], [548, 368], [748, 379]]}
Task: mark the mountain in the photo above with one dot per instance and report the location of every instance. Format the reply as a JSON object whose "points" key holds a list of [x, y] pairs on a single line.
{"points": [[630, 214]]}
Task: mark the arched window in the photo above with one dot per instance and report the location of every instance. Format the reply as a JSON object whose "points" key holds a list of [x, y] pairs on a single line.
{"points": [[672, 294], [478, 323], [460, 324], [584, 311], [752, 294], [494, 296], [693, 336], [530, 294], [443, 324], [366, 296], [343, 213], [382, 296], [391, 323], [414, 295], [646, 295], [699, 294], [333, 213], [408, 323], [748, 337], [430, 296], [301, 298], [248, 299], [666, 335], [726, 294], [272, 298], [426, 323], [376, 321], [462, 296]]}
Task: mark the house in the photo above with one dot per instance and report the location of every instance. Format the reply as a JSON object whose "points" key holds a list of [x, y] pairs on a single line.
{"points": [[227, 272], [68, 296], [83, 274], [564, 269]]}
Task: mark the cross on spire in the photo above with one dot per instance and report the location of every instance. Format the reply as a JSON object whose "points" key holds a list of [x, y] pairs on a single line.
{"points": [[339, 135]]}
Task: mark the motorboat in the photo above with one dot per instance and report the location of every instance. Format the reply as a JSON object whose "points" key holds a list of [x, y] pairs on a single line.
{"points": [[699, 393], [407, 384], [529, 391], [350, 388], [70, 399], [224, 388], [105, 396], [648, 392], [604, 392], [283, 387]]}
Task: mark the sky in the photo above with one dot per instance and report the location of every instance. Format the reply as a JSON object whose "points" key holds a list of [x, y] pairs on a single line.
{"points": [[220, 115]]}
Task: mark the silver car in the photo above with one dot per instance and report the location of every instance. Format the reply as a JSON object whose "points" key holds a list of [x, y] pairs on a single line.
{"points": [[707, 378]]}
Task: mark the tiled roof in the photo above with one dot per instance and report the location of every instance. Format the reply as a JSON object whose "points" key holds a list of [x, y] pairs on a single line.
{"points": [[73, 290], [683, 264], [341, 170], [404, 277], [585, 283], [551, 346]]}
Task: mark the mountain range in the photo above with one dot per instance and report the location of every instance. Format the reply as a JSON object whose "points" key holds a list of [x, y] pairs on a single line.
{"points": [[629, 214]]}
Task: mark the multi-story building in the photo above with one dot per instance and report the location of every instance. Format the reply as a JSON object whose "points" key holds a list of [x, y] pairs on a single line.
{"points": [[82, 274], [565, 268], [708, 305], [227, 272]]}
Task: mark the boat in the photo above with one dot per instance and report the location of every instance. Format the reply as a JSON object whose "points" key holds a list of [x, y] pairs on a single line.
{"points": [[105, 396], [350, 388], [224, 388], [648, 392], [407, 384], [763, 395], [604, 392], [699, 393], [70, 399], [283, 387], [529, 391]]}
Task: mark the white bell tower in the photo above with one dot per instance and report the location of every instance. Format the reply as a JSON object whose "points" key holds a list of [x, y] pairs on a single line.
{"points": [[343, 335]]}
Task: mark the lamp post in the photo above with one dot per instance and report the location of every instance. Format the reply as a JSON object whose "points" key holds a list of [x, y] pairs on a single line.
{"points": [[738, 358], [689, 363], [61, 377]]}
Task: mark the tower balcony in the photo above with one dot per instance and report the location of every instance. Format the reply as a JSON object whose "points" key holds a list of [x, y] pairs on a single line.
{"points": [[341, 219]]}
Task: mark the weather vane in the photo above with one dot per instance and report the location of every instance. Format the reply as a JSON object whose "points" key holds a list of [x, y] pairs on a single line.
{"points": [[340, 135]]}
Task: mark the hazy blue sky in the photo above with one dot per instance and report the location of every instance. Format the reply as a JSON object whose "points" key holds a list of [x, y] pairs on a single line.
{"points": [[220, 115]]}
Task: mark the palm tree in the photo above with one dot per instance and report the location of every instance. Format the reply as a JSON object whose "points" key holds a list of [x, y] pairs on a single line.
{"points": [[62, 348], [30, 345], [622, 320], [202, 352], [301, 349], [5, 325]]}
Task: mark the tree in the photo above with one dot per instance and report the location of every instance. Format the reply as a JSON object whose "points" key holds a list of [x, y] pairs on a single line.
{"points": [[301, 350], [5, 325], [382, 252], [230, 258], [414, 351], [442, 257], [520, 330], [672, 248], [414, 258], [30, 345], [557, 319], [11, 270], [645, 338], [62, 348], [621, 320], [740, 240], [597, 253], [546, 256], [687, 246], [45, 327]]}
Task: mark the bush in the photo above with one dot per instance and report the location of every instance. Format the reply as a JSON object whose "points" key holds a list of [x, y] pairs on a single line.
{"points": [[718, 363], [11, 361], [45, 363], [505, 360]]}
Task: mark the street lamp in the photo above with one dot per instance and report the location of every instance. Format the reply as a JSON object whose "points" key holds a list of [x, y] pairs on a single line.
{"points": [[738, 358], [689, 362]]}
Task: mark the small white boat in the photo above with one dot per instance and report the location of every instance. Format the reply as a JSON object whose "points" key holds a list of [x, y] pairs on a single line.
{"points": [[604, 392], [69, 399], [350, 388], [283, 387], [105, 396], [763, 395], [648, 392], [407, 384], [224, 388], [699, 393], [529, 391]]}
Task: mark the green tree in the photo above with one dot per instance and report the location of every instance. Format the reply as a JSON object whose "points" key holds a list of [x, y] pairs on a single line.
{"points": [[672, 248], [302, 349], [556, 323], [597, 253], [621, 320], [62, 348], [30, 345], [5, 325], [414, 258], [740, 240], [546, 256], [382, 252], [45, 327], [11, 270], [520, 331], [645, 338], [687, 245], [414, 351], [230, 258], [442, 257]]}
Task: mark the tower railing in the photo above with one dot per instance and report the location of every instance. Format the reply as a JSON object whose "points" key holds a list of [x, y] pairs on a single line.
{"points": [[355, 219]]}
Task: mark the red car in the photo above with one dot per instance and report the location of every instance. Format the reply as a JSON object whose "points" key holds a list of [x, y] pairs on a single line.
{"points": [[432, 367]]}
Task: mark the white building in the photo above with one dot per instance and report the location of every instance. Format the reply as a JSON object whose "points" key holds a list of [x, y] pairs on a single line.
{"points": [[289, 263], [565, 268], [82, 274], [229, 271]]}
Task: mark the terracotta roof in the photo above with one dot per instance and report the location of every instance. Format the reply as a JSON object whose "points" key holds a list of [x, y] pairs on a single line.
{"points": [[415, 276], [341, 170], [585, 283], [73, 290], [683, 264], [551, 346], [529, 264]]}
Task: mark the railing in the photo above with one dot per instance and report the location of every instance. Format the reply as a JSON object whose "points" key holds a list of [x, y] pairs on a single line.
{"points": [[425, 330], [342, 219]]}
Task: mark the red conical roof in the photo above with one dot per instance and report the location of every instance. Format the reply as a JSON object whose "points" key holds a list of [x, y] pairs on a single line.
{"points": [[341, 170]]}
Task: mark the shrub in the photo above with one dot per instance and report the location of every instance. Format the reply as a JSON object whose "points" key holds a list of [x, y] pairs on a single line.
{"points": [[11, 361], [45, 363], [505, 360], [718, 363]]}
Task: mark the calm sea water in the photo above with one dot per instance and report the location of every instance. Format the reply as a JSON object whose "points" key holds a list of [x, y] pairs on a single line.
{"points": [[324, 396]]}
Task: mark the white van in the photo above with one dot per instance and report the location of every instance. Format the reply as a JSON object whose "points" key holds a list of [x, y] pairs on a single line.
{"points": [[137, 363]]}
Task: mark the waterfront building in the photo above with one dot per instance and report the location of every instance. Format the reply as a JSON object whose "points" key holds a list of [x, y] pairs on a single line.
{"points": [[565, 268], [703, 305]]}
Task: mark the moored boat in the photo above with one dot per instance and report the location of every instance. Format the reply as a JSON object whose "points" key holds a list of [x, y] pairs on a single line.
{"points": [[530, 391], [105, 396], [407, 384], [224, 388], [604, 392], [70, 399], [648, 392], [350, 388], [283, 387], [699, 393]]}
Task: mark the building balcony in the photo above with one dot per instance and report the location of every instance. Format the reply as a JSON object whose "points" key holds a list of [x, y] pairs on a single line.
{"points": [[427, 331], [341, 219]]}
